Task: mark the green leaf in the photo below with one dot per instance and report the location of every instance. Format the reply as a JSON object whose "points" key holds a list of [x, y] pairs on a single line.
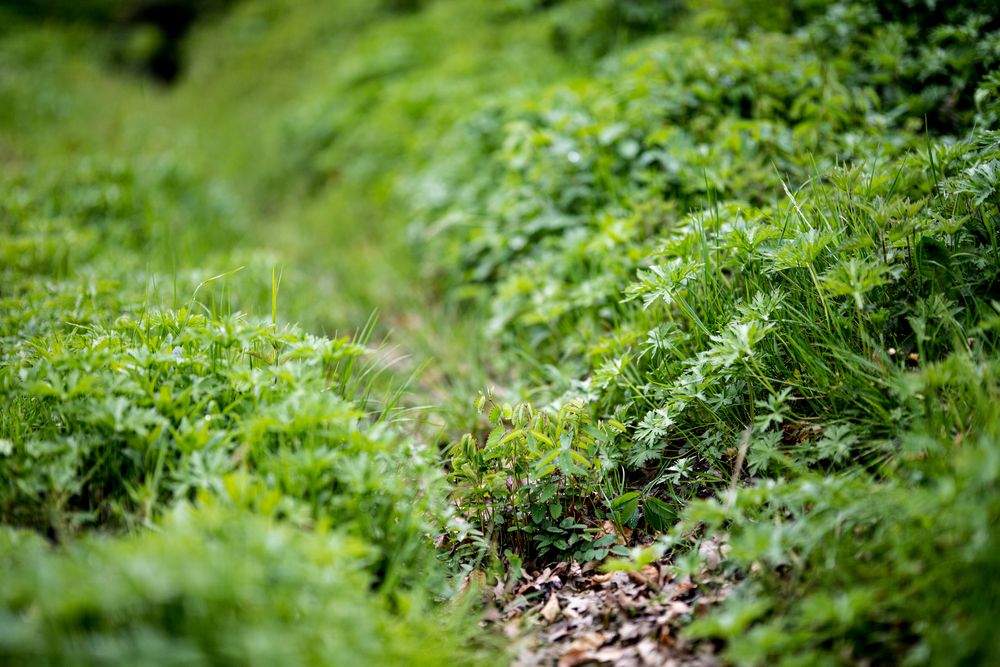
{"points": [[625, 506], [544, 438], [605, 541], [537, 512], [495, 436], [660, 516], [624, 499]]}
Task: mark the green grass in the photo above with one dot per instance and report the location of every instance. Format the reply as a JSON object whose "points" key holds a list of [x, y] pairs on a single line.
{"points": [[225, 584], [711, 268], [773, 259]]}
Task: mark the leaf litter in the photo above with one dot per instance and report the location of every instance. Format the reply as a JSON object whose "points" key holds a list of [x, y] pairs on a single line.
{"points": [[573, 615]]}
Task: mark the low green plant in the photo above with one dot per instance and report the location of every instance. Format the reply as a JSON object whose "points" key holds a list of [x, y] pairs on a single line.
{"points": [[183, 477], [544, 485], [772, 264], [746, 266], [223, 583], [532, 487], [896, 567]]}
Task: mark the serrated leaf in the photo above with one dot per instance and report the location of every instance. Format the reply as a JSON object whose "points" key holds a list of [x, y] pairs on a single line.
{"points": [[495, 436]]}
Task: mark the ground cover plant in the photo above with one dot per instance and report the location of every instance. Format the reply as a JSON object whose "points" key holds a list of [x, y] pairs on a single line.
{"points": [[258, 469], [710, 287], [764, 260]]}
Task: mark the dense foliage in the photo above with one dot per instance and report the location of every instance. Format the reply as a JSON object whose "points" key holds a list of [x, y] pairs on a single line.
{"points": [[765, 248], [723, 270]]}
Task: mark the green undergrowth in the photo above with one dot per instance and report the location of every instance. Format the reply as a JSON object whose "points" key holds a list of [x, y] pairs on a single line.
{"points": [[184, 477], [761, 255], [183, 483], [224, 584], [731, 268]]}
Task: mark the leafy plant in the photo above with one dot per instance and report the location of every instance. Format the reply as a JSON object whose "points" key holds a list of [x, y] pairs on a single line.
{"points": [[532, 487]]}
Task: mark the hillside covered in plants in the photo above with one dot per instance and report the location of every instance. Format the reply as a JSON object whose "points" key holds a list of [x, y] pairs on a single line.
{"points": [[468, 332]]}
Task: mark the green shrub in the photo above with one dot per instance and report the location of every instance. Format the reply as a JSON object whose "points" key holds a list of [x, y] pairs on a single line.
{"points": [[215, 585], [900, 568], [116, 407], [766, 259], [532, 490], [135, 381]]}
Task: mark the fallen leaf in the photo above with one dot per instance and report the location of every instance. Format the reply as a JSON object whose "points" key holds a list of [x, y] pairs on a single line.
{"points": [[622, 536], [617, 578], [551, 609], [612, 655], [498, 591], [476, 579], [602, 578], [581, 650], [649, 653], [649, 576], [684, 587]]}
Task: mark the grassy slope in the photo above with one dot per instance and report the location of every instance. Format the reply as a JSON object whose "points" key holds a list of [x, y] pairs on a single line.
{"points": [[131, 385], [144, 374], [704, 248], [770, 258]]}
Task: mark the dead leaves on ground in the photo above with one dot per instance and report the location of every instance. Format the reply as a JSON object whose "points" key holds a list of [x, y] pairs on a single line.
{"points": [[570, 615]]}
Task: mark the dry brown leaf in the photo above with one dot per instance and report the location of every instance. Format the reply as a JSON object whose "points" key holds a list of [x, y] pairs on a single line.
{"points": [[684, 587], [578, 606], [615, 618], [476, 579], [618, 579], [543, 577], [627, 601], [599, 579], [666, 636], [649, 576], [713, 551], [678, 608], [612, 655], [622, 536], [582, 649], [629, 631], [498, 591], [551, 609]]}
